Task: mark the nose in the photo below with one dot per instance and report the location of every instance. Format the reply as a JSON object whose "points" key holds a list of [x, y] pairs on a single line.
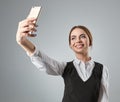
{"points": [[78, 40]]}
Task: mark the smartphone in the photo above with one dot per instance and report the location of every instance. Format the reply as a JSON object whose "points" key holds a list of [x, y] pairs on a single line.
{"points": [[34, 12]]}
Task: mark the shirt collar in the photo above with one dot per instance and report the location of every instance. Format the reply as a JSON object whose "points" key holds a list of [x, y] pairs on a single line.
{"points": [[90, 62]]}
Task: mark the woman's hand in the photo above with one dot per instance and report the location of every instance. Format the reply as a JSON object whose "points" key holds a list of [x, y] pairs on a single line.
{"points": [[26, 28]]}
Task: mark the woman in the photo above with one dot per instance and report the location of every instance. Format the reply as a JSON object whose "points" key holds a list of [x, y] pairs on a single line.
{"points": [[85, 80]]}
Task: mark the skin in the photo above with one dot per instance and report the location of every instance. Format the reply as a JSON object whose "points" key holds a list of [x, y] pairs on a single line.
{"points": [[79, 43], [24, 27]]}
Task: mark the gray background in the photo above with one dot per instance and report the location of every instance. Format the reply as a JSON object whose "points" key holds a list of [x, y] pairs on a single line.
{"points": [[20, 80]]}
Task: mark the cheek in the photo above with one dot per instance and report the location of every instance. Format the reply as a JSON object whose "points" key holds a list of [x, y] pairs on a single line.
{"points": [[86, 41], [71, 45]]}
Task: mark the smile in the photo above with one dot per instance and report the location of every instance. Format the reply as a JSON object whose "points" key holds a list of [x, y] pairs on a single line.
{"points": [[79, 46]]}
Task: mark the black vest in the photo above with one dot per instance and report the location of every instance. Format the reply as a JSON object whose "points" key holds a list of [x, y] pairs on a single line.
{"points": [[76, 90]]}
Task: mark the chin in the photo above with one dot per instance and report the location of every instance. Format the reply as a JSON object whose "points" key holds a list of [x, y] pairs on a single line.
{"points": [[80, 52]]}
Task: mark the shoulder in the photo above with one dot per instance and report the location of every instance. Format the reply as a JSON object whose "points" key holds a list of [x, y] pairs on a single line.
{"points": [[70, 62], [98, 64], [105, 71], [104, 67], [98, 67], [68, 67]]}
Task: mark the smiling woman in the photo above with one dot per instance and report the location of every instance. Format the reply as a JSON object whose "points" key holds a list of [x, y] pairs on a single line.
{"points": [[85, 80], [80, 39]]}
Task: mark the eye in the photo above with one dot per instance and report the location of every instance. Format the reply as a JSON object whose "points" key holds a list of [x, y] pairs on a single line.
{"points": [[72, 38], [82, 36]]}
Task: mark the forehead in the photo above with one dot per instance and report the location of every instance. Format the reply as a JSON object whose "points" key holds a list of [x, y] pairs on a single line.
{"points": [[78, 31]]}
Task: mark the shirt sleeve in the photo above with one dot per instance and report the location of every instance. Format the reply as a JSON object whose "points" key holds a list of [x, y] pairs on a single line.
{"points": [[47, 64], [104, 89]]}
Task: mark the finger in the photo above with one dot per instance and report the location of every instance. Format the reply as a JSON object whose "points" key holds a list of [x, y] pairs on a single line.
{"points": [[27, 22], [23, 23], [24, 30], [33, 30], [28, 35], [32, 35], [32, 26], [33, 20]]}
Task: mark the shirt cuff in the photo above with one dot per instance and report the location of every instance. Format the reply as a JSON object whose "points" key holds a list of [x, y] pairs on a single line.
{"points": [[35, 53]]}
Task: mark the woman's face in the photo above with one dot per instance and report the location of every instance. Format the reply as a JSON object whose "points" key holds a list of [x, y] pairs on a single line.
{"points": [[79, 41]]}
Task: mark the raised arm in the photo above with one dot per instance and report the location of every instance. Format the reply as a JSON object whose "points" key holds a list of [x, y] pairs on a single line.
{"points": [[39, 59], [24, 28]]}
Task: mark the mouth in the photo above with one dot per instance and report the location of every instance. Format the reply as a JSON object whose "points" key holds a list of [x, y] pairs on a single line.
{"points": [[79, 46]]}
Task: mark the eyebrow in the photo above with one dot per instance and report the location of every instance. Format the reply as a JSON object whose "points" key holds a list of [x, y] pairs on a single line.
{"points": [[75, 35], [82, 34]]}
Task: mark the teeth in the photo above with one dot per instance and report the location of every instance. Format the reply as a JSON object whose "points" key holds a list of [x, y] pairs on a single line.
{"points": [[80, 46]]}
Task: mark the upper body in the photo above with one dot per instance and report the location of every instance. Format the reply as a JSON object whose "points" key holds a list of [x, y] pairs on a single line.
{"points": [[84, 70], [80, 41]]}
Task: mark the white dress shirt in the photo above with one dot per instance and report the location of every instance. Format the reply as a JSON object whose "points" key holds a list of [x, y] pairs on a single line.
{"points": [[53, 67]]}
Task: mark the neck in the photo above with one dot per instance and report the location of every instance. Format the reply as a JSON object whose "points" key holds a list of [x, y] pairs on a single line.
{"points": [[83, 57]]}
